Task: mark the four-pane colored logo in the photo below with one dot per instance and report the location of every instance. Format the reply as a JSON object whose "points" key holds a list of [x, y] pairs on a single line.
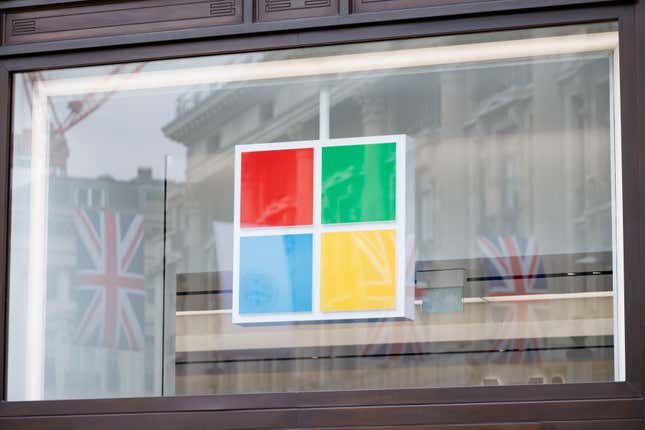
{"points": [[321, 230]]}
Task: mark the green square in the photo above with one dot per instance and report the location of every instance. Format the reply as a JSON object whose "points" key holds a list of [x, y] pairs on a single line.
{"points": [[359, 183]]}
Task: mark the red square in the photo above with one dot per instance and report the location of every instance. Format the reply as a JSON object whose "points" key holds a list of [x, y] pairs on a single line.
{"points": [[277, 188]]}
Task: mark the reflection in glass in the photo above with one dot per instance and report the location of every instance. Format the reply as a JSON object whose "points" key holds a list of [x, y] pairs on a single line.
{"points": [[277, 188], [122, 212], [359, 183], [275, 274]]}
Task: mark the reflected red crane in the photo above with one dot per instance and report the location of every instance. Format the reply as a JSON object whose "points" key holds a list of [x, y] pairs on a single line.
{"points": [[78, 110]]}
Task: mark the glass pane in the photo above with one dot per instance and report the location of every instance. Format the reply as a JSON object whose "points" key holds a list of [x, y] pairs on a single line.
{"points": [[432, 212]]}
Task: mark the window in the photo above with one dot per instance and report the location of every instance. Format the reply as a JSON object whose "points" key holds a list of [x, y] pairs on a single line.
{"points": [[509, 222], [91, 197]]}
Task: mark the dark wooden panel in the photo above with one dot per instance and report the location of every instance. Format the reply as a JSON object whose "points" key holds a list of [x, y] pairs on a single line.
{"points": [[633, 155], [561, 425], [313, 31], [438, 417], [278, 10], [511, 426], [20, 4], [639, 60], [5, 213], [594, 425], [108, 19], [359, 6], [472, 413], [159, 421], [181, 404]]}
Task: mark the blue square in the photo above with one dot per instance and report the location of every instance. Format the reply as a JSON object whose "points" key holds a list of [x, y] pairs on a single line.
{"points": [[275, 274]]}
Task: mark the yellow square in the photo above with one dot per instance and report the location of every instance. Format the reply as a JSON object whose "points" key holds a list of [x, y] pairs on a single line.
{"points": [[358, 270]]}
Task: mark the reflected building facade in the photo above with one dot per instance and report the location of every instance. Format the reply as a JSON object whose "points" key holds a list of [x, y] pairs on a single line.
{"points": [[79, 365], [490, 185]]}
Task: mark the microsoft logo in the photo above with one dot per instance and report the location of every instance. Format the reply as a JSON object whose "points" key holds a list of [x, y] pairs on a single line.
{"points": [[321, 230]]}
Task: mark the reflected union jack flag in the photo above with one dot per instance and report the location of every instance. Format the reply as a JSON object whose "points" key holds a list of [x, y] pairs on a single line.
{"points": [[514, 268], [110, 279], [396, 339]]}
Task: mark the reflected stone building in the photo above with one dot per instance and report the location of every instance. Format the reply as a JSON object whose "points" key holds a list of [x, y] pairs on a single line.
{"points": [[483, 174]]}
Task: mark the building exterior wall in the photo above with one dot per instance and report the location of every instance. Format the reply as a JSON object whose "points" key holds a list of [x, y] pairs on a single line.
{"points": [[136, 30]]}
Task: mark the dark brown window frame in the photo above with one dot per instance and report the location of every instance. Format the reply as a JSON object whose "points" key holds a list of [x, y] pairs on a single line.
{"points": [[594, 405]]}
